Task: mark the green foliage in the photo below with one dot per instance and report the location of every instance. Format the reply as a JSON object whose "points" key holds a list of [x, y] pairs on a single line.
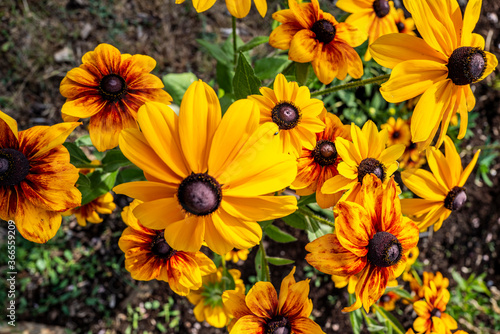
{"points": [[176, 84], [245, 82]]}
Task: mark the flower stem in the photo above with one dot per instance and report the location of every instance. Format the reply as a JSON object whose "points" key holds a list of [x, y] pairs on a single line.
{"points": [[389, 322], [264, 261], [223, 262], [352, 84], [235, 47], [309, 213]]}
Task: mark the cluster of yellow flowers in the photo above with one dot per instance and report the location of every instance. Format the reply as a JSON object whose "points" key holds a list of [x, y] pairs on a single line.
{"points": [[211, 179]]}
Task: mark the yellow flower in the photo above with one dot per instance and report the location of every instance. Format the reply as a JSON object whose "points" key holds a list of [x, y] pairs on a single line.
{"points": [[263, 311], [208, 300], [148, 256], [37, 182], [404, 25], [312, 35], [441, 191], [388, 301], [372, 240], [398, 131], [237, 254], [291, 108], [441, 66], [237, 8], [109, 87], [367, 154], [207, 176], [319, 164], [90, 212], [412, 258], [431, 316], [373, 17], [412, 157]]}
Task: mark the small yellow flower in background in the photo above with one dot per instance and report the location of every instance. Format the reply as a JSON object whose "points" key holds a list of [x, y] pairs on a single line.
{"points": [[388, 301], [398, 131], [441, 66], [404, 25], [90, 212], [312, 35], [148, 257], [412, 258], [437, 279], [319, 164], [205, 175], [372, 240], [237, 8], [441, 191], [263, 311], [343, 281], [412, 157], [367, 154], [37, 181], [109, 87], [291, 108], [86, 171], [430, 311], [208, 300], [236, 255], [373, 17]]}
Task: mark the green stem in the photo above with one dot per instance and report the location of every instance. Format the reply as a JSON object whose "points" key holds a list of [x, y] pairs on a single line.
{"points": [[309, 213], [264, 261], [235, 47], [352, 84], [389, 321], [223, 260]]}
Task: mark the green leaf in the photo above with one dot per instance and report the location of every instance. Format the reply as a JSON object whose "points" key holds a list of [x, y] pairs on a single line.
{"points": [[176, 84], [113, 160], [259, 266], [225, 102], [129, 175], [302, 73], [265, 223], [256, 41], [278, 235], [268, 68], [215, 51], [245, 82], [76, 155], [100, 183], [390, 320], [295, 220], [225, 76], [279, 261], [304, 200], [315, 229], [83, 141], [399, 291], [228, 280], [355, 316]]}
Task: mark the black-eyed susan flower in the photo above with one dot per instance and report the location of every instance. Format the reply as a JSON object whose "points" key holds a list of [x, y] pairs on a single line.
{"points": [[109, 87], [366, 154], [374, 17], [236, 255], [431, 312], [418, 288], [404, 25], [441, 66], [89, 212], [441, 190], [319, 164], [205, 175], [291, 108], [148, 256], [263, 311], [312, 35], [398, 131], [388, 300], [412, 157], [208, 299], [237, 8], [412, 258], [37, 181], [372, 240]]}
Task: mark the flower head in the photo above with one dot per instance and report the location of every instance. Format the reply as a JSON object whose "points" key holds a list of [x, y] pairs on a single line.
{"points": [[90, 212], [208, 299], [441, 66], [388, 301], [398, 131], [37, 181], [373, 17], [366, 154], [205, 175], [148, 256], [312, 35], [236, 255], [404, 25], [319, 164], [263, 311], [237, 8], [412, 157], [372, 240], [441, 191], [109, 87], [291, 108]]}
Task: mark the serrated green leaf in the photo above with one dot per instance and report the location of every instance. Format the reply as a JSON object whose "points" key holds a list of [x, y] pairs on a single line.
{"points": [[295, 220], [256, 41], [176, 84], [76, 155], [245, 82], [278, 235], [279, 261], [268, 68]]}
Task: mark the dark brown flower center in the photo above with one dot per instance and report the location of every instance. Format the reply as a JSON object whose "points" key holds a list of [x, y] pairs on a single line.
{"points": [[14, 167], [396, 134], [455, 199], [199, 194], [381, 8], [436, 313], [112, 87], [160, 248], [384, 250], [278, 325], [371, 166], [325, 153], [324, 30], [400, 25], [385, 298], [412, 146], [466, 65], [286, 115]]}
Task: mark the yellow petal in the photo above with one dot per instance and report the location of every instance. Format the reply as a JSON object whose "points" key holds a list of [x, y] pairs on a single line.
{"points": [[203, 5], [185, 235], [35, 224], [391, 154], [8, 124], [41, 139], [468, 169], [238, 8], [424, 184], [270, 207], [158, 214], [262, 300], [303, 46], [471, 16], [261, 7], [146, 190], [418, 206]]}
